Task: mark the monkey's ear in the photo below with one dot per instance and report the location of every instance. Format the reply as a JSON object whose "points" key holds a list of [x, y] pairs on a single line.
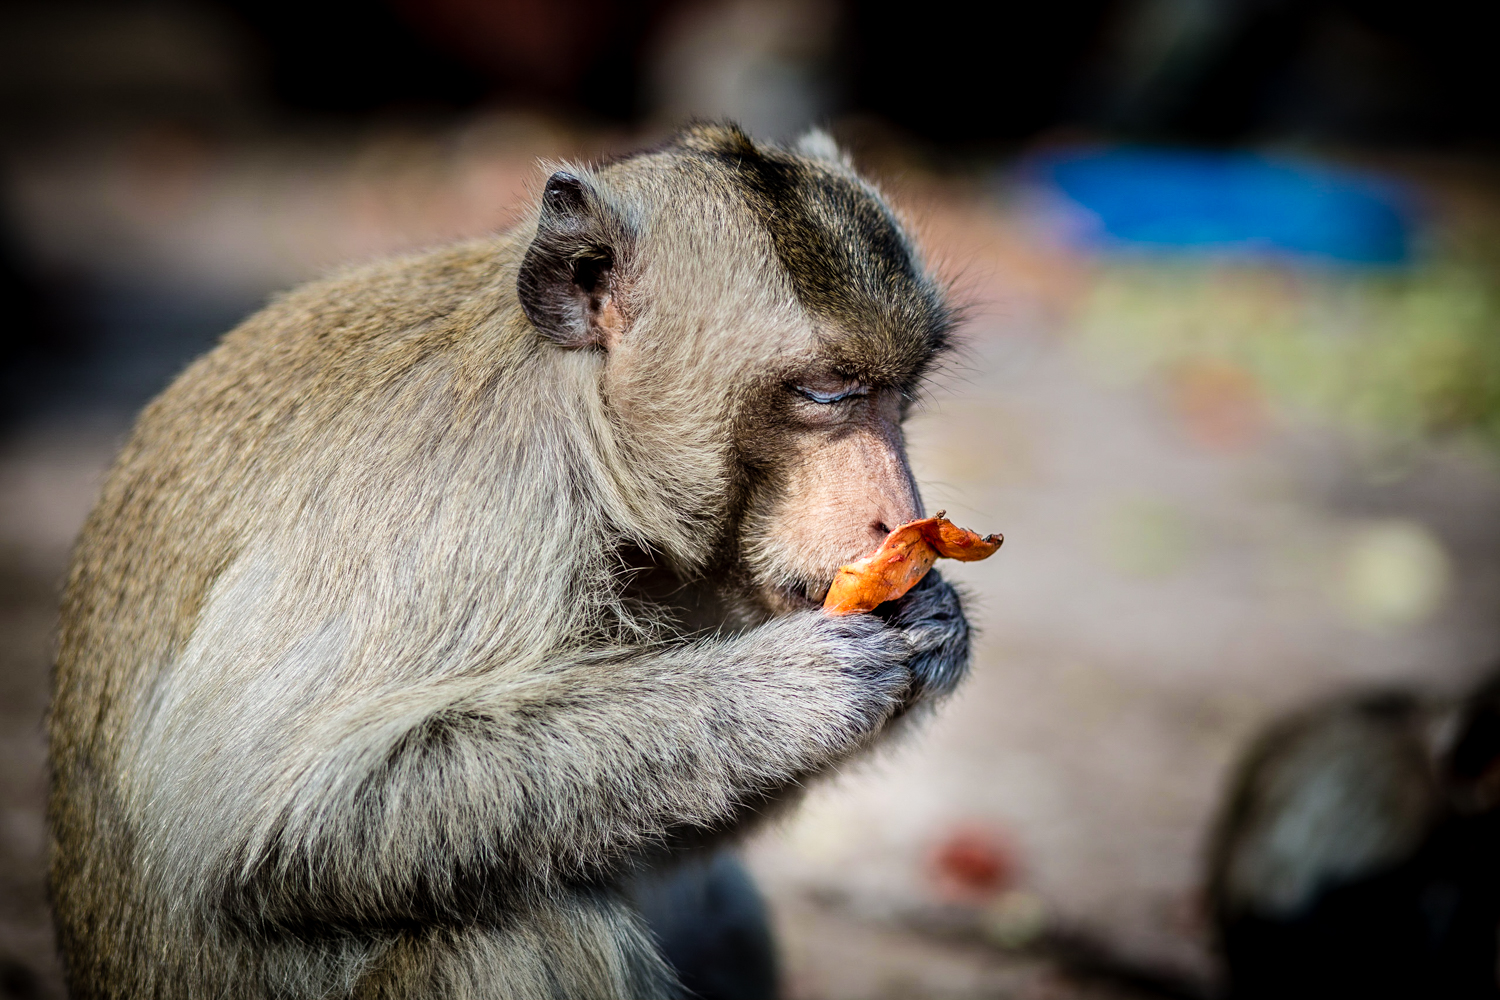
{"points": [[569, 281], [816, 144]]}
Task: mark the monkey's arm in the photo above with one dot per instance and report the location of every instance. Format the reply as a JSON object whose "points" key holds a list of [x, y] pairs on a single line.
{"points": [[555, 777]]}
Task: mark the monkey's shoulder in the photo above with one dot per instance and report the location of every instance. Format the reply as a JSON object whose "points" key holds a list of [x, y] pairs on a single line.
{"points": [[356, 333], [375, 300]]}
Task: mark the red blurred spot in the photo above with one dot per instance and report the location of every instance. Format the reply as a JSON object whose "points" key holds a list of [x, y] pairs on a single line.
{"points": [[974, 864]]}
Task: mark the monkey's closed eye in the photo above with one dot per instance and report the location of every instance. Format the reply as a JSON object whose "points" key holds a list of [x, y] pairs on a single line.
{"points": [[836, 396]]}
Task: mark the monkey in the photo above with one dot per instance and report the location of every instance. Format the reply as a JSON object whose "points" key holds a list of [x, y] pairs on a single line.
{"points": [[1356, 853], [454, 601]]}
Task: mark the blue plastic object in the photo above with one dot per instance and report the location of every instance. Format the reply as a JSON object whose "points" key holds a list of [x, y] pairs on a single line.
{"points": [[1229, 202]]}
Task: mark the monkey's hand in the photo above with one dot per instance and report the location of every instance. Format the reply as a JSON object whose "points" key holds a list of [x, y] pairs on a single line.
{"points": [[870, 665], [931, 617], [820, 687]]}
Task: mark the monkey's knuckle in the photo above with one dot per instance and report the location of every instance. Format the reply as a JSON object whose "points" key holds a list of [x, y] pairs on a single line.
{"points": [[875, 691], [938, 672], [937, 634], [882, 668], [889, 646], [941, 656]]}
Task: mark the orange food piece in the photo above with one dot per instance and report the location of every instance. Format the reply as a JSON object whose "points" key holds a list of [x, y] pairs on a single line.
{"points": [[905, 556]]}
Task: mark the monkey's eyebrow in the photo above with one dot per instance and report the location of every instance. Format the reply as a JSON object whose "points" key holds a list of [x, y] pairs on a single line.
{"points": [[832, 397]]}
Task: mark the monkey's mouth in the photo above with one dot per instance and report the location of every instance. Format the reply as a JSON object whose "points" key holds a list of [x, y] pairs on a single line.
{"points": [[797, 595]]}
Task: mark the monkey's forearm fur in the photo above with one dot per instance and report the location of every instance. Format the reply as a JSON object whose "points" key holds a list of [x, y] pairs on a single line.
{"points": [[352, 695], [562, 775]]}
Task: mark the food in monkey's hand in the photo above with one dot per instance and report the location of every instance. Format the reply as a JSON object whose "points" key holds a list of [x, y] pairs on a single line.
{"points": [[905, 556]]}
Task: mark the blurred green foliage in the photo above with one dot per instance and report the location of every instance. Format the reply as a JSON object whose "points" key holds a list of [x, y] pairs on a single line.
{"points": [[1406, 354]]}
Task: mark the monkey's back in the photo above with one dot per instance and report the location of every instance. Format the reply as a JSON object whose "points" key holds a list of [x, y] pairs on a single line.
{"points": [[213, 458]]}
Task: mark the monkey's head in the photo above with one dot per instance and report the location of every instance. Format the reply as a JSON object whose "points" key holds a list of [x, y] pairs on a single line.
{"points": [[757, 323]]}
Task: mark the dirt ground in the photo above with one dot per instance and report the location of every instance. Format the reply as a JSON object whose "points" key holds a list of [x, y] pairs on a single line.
{"points": [[1181, 564]]}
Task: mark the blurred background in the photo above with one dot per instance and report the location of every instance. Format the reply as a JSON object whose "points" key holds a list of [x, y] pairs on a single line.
{"points": [[1230, 383]]}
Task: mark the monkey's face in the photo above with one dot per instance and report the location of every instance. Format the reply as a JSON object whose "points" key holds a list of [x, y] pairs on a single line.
{"points": [[760, 320], [795, 457], [837, 481]]}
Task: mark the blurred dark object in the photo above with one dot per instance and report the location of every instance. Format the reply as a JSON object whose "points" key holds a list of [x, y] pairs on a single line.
{"points": [[102, 349], [1357, 853], [1352, 70], [1226, 203], [70, 65], [353, 56], [29, 335], [713, 927], [228, 62], [971, 72], [1181, 70]]}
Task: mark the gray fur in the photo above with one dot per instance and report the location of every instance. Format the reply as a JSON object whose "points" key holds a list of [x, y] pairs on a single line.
{"points": [[354, 698]]}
